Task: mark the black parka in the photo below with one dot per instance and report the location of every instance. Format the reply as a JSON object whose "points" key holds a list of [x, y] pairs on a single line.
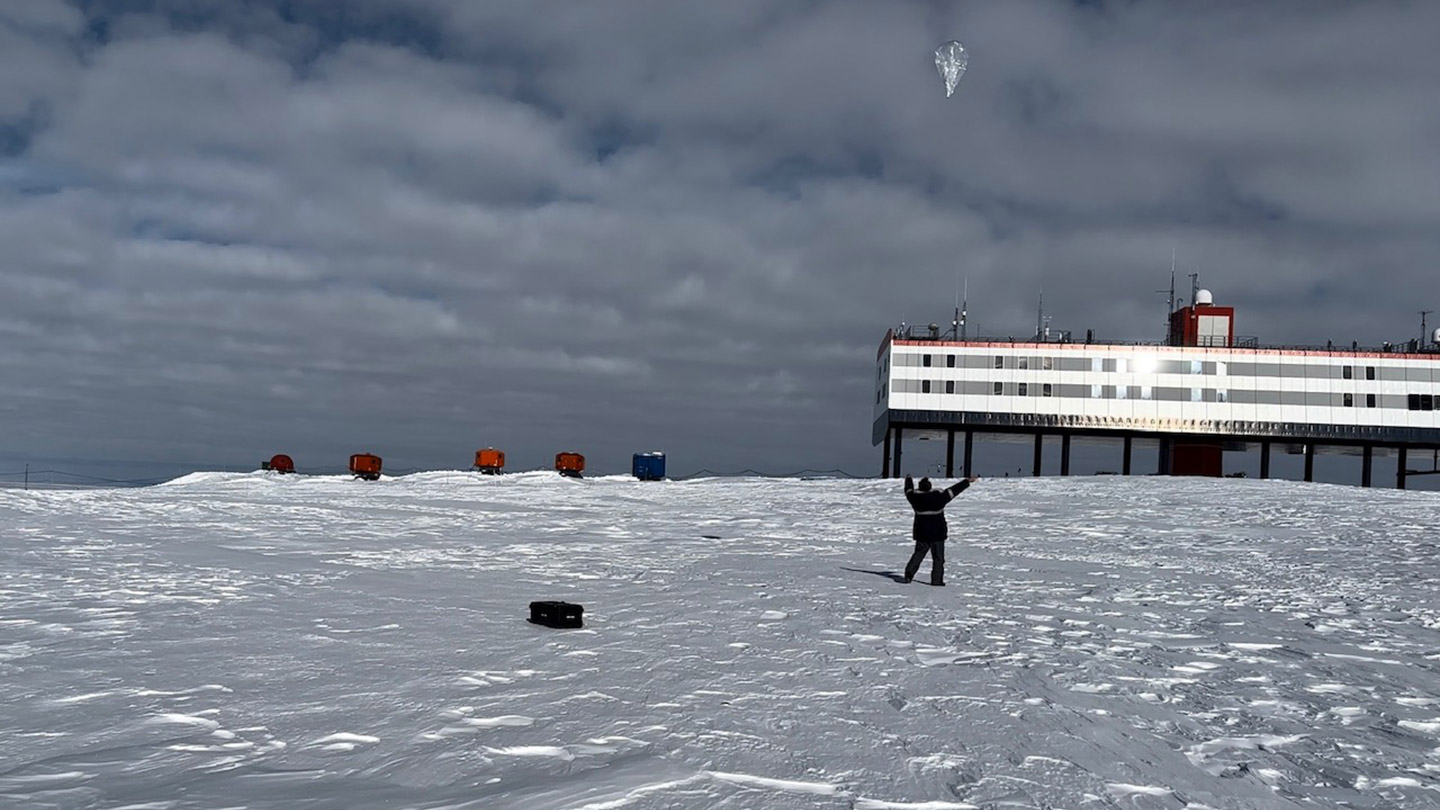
{"points": [[929, 509]]}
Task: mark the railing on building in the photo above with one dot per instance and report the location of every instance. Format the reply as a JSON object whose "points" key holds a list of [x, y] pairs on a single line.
{"points": [[932, 333]]}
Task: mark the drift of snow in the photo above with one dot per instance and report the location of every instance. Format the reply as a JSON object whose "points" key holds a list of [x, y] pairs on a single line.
{"points": [[265, 641]]}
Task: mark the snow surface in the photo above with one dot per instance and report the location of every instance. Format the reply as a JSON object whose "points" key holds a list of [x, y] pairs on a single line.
{"points": [[263, 641]]}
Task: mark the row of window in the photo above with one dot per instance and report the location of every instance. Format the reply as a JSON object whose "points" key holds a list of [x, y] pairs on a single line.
{"points": [[1414, 402], [1165, 366]]}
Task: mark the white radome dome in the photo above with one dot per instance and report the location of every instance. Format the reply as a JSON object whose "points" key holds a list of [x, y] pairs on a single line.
{"points": [[1203, 298]]}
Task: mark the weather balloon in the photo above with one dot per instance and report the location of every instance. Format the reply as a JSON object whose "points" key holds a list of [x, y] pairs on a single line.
{"points": [[950, 60]]}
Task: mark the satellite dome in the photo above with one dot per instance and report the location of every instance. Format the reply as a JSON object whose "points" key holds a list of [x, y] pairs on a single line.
{"points": [[1435, 338], [1203, 298]]}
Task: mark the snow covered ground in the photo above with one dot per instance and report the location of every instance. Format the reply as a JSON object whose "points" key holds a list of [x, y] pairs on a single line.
{"points": [[256, 641]]}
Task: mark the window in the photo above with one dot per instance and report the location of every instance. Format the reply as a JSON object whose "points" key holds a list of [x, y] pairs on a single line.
{"points": [[1222, 395], [1349, 398], [1146, 392], [1047, 390], [1024, 390], [1194, 394], [1194, 366], [1120, 365], [1094, 392], [999, 361], [949, 361], [1347, 372], [1024, 362], [949, 386], [1369, 400], [1048, 364], [1413, 402], [1213, 330], [925, 384], [879, 395], [1369, 372], [1427, 403], [925, 361], [999, 389]]}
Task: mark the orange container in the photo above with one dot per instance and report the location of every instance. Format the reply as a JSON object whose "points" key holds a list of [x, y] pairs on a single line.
{"points": [[282, 463], [365, 466], [490, 460], [571, 464]]}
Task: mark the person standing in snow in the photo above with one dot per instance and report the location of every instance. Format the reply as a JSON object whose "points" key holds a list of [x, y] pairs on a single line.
{"points": [[930, 527]]}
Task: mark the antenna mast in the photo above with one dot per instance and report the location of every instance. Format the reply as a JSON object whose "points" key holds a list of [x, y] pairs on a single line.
{"points": [[964, 309], [1040, 314], [1171, 310], [1172, 290], [1424, 335]]}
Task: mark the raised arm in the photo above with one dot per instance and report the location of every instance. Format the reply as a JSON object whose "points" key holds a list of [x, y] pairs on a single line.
{"points": [[961, 486], [909, 485]]}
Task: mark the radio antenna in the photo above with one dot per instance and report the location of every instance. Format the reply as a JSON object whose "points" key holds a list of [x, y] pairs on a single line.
{"points": [[1170, 305]]}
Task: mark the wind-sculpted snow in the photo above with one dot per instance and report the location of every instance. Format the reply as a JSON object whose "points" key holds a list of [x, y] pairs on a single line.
{"points": [[258, 641]]}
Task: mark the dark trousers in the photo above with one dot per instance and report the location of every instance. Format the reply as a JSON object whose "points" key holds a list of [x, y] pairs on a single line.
{"points": [[936, 550]]}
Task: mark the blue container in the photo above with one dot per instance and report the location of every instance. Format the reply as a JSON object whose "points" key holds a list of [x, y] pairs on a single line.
{"points": [[648, 466]]}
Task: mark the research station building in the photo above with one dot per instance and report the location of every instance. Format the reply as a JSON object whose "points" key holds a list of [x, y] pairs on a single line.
{"points": [[1201, 391]]}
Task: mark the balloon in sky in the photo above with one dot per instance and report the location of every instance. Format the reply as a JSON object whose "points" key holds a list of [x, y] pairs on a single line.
{"points": [[950, 60]]}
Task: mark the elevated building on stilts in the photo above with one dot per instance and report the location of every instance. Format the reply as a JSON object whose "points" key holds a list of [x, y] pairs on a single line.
{"points": [[1201, 391]]}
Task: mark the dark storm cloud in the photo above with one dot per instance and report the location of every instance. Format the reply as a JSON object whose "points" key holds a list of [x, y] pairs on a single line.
{"points": [[420, 227]]}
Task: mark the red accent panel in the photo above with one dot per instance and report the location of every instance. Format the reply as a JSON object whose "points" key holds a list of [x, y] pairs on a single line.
{"points": [[1196, 458]]}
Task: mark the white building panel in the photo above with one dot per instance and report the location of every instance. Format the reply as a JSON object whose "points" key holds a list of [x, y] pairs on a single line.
{"points": [[1146, 387]]}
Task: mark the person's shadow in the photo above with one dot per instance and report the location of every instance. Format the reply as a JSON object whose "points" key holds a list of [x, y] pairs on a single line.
{"points": [[894, 576]]}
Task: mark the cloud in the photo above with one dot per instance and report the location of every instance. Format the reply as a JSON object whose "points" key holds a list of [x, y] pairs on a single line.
{"points": [[233, 229]]}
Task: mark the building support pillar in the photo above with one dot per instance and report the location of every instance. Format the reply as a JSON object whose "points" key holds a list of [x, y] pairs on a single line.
{"points": [[1309, 461], [1400, 464], [1125, 467], [1366, 458], [1166, 448], [969, 452], [899, 449], [885, 459], [950, 453], [1264, 460], [1065, 454], [1039, 449]]}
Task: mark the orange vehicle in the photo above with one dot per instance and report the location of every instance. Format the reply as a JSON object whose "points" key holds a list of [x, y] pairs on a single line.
{"points": [[365, 466], [490, 461], [569, 464], [281, 463]]}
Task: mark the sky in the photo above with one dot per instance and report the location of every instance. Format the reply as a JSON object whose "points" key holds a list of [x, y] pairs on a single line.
{"points": [[419, 227]]}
